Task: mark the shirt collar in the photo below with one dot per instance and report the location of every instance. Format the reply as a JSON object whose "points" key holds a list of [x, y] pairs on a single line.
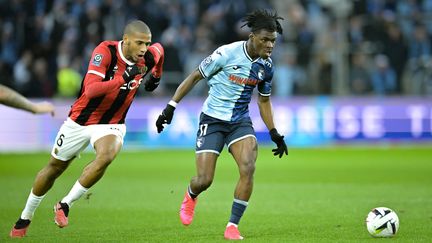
{"points": [[247, 54], [119, 48]]}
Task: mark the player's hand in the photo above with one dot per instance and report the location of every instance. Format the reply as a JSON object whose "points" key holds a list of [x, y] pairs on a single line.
{"points": [[131, 72], [279, 141], [165, 117], [43, 107], [151, 83]]}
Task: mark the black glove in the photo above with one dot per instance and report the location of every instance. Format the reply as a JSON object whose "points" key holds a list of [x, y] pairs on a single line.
{"points": [[130, 73], [279, 141], [165, 117], [151, 83]]}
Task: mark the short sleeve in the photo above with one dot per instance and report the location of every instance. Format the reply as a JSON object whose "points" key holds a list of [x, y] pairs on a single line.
{"points": [[99, 61], [213, 63], [265, 86]]}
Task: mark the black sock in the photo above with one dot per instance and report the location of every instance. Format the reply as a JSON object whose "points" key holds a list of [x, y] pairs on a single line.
{"points": [[191, 194], [22, 223], [65, 208]]}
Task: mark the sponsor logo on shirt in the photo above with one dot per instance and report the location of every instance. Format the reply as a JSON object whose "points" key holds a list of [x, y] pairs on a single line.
{"points": [[239, 80], [131, 85]]}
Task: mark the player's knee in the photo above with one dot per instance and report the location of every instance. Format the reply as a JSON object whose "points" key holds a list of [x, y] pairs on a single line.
{"points": [[205, 182], [50, 172], [55, 168], [105, 158], [247, 168]]}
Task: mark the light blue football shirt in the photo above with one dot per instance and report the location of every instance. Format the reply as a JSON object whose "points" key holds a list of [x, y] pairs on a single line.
{"points": [[232, 76]]}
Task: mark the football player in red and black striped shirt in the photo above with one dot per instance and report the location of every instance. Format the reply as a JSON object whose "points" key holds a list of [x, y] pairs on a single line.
{"points": [[116, 70]]}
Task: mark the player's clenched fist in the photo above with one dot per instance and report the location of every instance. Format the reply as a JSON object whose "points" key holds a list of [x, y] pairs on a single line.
{"points": [[151, 83], [280, 143], [130, 72], [165, 117]]}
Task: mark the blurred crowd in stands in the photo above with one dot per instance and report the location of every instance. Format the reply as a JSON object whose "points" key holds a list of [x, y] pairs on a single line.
{"points": [[329, 47]]}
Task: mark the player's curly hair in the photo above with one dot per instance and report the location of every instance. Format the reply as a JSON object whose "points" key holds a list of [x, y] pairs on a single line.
{"points": [[263, 19]]}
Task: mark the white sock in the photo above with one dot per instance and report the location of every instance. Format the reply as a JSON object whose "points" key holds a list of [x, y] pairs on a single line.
{"points": [[229, 224], [32, 203], [75, 193]]}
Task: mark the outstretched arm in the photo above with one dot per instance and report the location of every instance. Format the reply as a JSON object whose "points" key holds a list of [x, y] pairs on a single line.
{"points": [[12, 98], [186, 86], [183, 89], [266, 112]]}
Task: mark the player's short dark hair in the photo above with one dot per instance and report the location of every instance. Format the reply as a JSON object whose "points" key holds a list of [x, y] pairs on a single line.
{"points": [[136, 26], [263, 19]]}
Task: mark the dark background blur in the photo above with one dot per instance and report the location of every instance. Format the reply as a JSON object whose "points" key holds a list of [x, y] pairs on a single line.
{"points": [[329, 47]]}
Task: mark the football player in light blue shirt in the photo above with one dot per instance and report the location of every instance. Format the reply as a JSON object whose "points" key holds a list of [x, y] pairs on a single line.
{"points": [[232, 75], [232, 72]]}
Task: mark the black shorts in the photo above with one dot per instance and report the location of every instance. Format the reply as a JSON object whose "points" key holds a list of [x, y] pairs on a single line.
{"points": [[213, 133]]}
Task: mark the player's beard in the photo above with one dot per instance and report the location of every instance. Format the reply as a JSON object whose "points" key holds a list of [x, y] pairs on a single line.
{"points": [[130, 58], [265, 54], [268, 52]]}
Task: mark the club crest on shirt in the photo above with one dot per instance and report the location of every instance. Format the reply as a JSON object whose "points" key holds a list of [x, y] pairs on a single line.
{"points": [[97, 59], [143, 69]]}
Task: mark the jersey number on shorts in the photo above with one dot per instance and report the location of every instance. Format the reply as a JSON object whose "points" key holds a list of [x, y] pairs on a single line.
{"points": [[203, 129], [60, 140]]}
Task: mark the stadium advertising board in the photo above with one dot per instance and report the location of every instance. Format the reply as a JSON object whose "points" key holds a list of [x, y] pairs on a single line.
{"points": [[304, 122]]}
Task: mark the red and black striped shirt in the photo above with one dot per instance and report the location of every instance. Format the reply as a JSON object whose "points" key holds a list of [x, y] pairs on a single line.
{"points": [[104, 97]]}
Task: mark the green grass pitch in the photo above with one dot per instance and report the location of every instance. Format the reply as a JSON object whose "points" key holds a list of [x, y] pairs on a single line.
{"points": [[313, 195]]}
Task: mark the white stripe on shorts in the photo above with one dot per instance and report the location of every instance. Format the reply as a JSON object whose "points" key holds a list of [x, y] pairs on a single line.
{"points": [[240, 138], [207, 151]]}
